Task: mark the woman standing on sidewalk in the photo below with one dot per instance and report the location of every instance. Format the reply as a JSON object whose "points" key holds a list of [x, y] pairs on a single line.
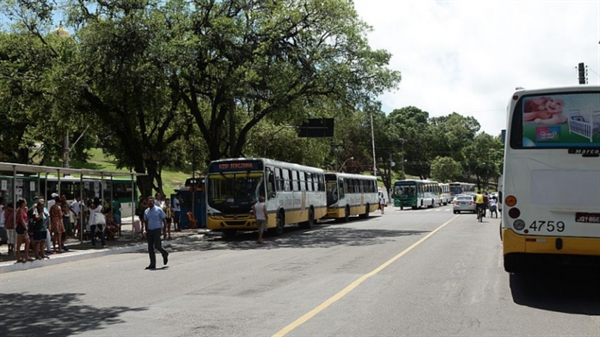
{"points": [[40, 220], [56, 225], [22, 229], [95, 209]]}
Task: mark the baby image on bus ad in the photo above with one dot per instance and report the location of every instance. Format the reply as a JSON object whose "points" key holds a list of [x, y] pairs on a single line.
{"points": [[563, 120]]}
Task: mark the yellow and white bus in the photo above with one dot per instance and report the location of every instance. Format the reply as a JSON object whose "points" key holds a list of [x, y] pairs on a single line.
{"points": [[351, 194], [445, 195], [551, 178], [294, 194]]}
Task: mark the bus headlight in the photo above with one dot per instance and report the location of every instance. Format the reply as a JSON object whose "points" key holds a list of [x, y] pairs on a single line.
{"points": [[519, 224]]}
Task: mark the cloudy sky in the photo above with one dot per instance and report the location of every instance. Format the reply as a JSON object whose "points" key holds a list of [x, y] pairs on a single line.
{"points": [[469, 56]]}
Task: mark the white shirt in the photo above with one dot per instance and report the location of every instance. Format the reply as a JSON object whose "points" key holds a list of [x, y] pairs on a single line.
{"points": [[93, 212], [259, 211], [492, 202], [75, 207], [176, 205]]}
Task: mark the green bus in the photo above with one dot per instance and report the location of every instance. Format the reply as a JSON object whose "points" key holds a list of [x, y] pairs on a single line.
{"points": [[416, 193]]}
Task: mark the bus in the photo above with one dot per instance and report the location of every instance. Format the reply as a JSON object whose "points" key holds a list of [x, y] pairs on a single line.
{"points": [[445, 195], [551, 178], [350, 194], [416, 193], [119, 188], [294, 194], [457, 188]]}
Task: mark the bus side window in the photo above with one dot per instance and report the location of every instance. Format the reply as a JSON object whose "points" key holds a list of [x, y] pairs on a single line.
{"points": [[342, 188], [270, 183]]}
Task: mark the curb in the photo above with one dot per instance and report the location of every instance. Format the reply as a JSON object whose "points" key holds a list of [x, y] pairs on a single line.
{"points": [[58, 259]]}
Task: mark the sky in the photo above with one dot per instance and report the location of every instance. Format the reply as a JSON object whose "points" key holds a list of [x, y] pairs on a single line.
{"points": [[469, 56]]}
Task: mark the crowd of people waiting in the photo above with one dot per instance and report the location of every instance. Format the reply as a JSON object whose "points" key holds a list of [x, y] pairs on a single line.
{"points": [[44, 226]]}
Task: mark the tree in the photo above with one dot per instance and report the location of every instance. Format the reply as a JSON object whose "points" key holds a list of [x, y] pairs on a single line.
{"points": [[411, 124], [445, 169], [483, 158]]}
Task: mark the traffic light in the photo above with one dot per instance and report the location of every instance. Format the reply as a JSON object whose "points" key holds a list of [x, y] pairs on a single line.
{"points": [[581, 71]]}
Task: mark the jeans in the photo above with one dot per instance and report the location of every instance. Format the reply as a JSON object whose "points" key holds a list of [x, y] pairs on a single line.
{"points": [[154, 242], [93, 234]]}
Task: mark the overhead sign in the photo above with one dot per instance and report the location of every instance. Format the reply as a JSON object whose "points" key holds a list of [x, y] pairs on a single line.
{"points": [[316, 128]]}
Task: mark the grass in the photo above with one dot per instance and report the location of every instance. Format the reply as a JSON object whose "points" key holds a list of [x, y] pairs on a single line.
{"points": [[99, 161]]}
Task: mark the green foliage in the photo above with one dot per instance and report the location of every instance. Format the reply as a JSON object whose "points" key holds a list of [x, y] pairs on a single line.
{"points": [[445, 169]]}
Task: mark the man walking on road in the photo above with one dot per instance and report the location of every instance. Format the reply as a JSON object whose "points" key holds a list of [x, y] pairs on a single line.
{"points": [[155, 218]]}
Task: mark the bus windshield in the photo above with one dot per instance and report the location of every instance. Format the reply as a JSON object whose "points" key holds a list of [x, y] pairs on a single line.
{"points": [[234, 192], [405, 191], [332, 193]]}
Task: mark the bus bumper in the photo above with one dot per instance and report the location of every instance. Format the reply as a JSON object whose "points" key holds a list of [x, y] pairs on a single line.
{"points": [[516, 243], [239, 223]]}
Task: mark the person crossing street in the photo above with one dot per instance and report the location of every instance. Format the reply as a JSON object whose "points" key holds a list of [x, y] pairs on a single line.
{"points": [[155, 219]]}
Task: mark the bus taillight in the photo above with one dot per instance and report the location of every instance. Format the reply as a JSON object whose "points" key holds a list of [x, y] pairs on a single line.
{"points": [[510, 201]]}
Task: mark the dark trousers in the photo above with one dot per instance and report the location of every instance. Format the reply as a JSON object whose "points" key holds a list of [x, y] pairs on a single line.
{"points": [[154, 242], [100, 231]]}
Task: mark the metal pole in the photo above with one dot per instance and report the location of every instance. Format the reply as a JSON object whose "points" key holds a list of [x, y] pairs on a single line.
{"points": [[58, 183], [403, 174], [373, 142], [81, 208], [14, 195], [66, 150], [133, 206]]}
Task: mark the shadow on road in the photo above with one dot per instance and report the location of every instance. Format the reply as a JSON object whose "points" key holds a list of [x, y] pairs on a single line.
{"points": [[26, 314], [568, 290], [321, 236]]}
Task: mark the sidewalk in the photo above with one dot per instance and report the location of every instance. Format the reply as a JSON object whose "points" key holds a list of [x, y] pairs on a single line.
{"points": [[84, 250]]}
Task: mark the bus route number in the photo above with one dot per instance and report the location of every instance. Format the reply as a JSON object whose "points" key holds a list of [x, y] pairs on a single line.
{"points": [[550, 226]]}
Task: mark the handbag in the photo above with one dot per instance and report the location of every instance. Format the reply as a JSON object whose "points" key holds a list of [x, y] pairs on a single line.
{"points": [[99, 219]]}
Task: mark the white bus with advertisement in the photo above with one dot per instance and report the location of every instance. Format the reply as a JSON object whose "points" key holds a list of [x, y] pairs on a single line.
{"points": [[551, 178]]}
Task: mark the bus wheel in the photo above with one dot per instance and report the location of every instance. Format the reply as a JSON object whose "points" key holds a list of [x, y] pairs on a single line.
{"points": [[278, 231], [311, 220], [367, 210], [347, 214], [229, 234], [401, 208]]}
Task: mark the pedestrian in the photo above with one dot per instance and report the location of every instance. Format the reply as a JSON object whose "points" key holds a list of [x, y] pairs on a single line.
{"points": [[260, 213], [22, 228], [56, 225], [176, 213], [97, 221], [116, 212], [9, 221], [381, 203], [155, 219], [40, 226], [167, 229]]}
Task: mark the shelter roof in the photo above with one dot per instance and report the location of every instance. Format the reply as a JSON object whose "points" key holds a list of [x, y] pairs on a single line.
{"points": [[24, 168]]}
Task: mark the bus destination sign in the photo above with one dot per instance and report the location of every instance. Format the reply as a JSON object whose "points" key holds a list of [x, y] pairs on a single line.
{"points": [[248, 165]]}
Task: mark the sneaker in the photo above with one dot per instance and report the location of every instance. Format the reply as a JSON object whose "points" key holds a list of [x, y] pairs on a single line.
{"points": [[166, 259], [150, 268]]}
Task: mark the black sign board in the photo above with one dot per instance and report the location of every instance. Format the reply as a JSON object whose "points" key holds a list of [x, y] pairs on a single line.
{"points": [[237, 165], [316, 128], [195, 182]]}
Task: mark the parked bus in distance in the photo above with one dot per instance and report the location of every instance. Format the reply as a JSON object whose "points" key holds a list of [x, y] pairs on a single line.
{"points": [[457, 188], [551, 178], [416, 193], [294, 194], [350, 194], [445, 196]]}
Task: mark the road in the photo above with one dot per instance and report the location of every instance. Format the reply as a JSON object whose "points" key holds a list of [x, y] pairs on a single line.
{"points": [[404, 273]]}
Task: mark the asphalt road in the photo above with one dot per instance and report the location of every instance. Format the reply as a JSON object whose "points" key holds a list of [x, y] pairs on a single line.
{"points": [[406, 273]]}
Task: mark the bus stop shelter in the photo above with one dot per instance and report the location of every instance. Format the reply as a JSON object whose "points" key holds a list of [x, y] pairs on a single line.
{"points": [[18, 171]]}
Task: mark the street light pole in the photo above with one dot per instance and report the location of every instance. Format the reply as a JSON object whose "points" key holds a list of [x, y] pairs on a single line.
{"points": [[402, 140], [345, 161]]}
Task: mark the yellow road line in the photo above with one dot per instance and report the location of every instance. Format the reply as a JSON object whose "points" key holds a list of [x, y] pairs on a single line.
{"points": [[353, 285]]}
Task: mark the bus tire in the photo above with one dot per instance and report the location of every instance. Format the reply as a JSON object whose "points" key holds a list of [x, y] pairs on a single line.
{"points": [[401, 208], [414, 207], [311, 220], [367, 210], [229, 234], [347, 214], [278, 230]]}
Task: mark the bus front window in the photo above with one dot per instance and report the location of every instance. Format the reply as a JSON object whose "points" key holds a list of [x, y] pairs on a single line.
{"points": [[332, 193], [234, 193], [405, 191]]}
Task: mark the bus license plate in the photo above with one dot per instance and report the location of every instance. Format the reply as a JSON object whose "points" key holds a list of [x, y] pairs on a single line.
{"points": [[587, 217]]}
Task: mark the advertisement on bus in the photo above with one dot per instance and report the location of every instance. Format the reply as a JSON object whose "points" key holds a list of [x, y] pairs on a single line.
{"points": [[562, 120]]}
